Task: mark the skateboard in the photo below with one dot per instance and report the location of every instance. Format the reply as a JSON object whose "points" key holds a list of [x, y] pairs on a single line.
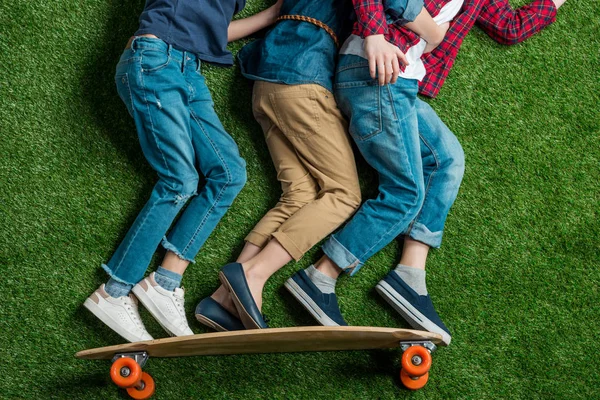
{"points": [[128, 359]]}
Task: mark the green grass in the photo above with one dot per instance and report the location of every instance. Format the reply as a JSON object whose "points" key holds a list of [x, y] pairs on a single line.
{"points": [[516, 280]]}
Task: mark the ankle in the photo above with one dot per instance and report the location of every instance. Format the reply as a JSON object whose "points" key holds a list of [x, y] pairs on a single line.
{"points": [[328, 267], [117, 289]]}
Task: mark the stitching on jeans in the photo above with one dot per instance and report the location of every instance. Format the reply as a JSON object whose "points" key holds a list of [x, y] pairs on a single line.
{"points": [[152, 125], [220, 194], [143, 86], [393, 226], [437, 166]]}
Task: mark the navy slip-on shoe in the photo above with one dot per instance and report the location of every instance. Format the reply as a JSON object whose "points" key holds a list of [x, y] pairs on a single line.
{"points": [[215, 316], [417, 310], [232, 276], [322, 306]]}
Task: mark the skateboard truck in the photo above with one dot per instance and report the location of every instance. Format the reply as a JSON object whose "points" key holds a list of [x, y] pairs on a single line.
{"points": [[140, 357]]}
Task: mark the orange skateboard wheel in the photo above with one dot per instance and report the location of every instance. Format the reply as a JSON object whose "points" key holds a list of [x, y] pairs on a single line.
{"points": [[416, 361], [125, 372], [411, 382], [145, 388]]}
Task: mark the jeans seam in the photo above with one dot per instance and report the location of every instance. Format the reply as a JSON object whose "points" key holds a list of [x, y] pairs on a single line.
{"points": [[412, 177], [152, 125], [219, 195], [437, 166], [139, 226]]}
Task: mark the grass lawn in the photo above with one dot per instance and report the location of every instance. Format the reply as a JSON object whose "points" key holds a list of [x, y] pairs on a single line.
{"points": [[516, 280]]}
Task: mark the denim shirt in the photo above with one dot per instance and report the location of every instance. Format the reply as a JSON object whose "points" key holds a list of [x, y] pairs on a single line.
{"points": [[196, 26], [296, 52]]}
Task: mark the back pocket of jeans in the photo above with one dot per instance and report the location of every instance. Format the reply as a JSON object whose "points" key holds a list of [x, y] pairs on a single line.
{"points": [[361, 103], [122, 82], [297, 112]]}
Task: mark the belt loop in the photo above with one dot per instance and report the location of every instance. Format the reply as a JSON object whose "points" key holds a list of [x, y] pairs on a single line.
{"points": [[169, 47], [132, 45]]}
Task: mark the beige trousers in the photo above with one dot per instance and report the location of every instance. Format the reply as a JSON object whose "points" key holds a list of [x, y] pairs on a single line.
{"points": [[307, 137]]}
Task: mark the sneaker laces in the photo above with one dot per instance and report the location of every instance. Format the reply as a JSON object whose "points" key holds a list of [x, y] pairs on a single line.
{"points": [[179, 301], [131, 307]]}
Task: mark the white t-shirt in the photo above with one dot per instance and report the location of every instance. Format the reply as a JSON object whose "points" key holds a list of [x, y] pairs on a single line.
{"points": [[415, 70]]}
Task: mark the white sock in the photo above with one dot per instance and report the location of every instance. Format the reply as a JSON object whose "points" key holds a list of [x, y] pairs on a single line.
{"points": [[325, 283], [414, 277]]}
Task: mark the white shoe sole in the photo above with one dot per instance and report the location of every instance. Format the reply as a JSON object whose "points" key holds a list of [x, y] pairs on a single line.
{"points": [[308, 303], [162, 320], [110, 322], [413, 316]]}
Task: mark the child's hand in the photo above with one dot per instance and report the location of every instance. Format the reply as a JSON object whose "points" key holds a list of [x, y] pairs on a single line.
{"points": [[384, 59]]}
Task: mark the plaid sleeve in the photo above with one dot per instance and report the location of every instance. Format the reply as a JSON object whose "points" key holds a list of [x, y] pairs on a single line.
{"points": [[509, 26], [370, 18]]}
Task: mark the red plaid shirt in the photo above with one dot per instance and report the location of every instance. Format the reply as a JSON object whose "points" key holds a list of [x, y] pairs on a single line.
{"points": [[496, 17]]}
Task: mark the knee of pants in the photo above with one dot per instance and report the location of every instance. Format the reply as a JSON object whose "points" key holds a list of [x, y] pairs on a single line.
{"points": [[232, 176], [351, 197], [454, 161], [179, 187], [407, 201], [299, 193]]}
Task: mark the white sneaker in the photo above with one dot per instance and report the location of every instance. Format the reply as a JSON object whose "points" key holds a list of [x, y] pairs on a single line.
{"points": [[165, 306], [119, 313]]}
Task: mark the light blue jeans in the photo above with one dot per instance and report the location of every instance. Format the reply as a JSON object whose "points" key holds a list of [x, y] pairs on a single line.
{"points": [[196, 160], [420, 165]]}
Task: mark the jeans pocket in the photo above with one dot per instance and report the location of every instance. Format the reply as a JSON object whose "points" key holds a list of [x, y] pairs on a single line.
{"points": [[154, 60], [122, 82], [297, 112], [362, 102]]}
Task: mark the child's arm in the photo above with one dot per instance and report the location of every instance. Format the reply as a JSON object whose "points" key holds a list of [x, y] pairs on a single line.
{"points": [[428, 29], [508, 25], [241, 28]]}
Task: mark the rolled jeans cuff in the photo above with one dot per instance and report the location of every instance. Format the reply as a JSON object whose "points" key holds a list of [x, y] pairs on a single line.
{"points": [[257, 239], [341, 256], [420, 233]]}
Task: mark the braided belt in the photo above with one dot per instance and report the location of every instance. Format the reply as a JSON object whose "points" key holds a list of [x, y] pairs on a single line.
{"points": [[312, 21]]}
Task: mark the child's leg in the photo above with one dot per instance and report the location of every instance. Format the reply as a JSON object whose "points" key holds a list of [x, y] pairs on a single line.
{"points": [[443, 167], [219, 161], [224, 173], [145, 84], [164, 136], [306, 133], [383, 122]]}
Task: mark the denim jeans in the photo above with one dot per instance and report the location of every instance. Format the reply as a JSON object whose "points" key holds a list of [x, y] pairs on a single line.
{"points": [[419, 162], [196, 160]]}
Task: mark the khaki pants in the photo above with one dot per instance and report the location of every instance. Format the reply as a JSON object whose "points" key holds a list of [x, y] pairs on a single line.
{"points": [[308, 141]]}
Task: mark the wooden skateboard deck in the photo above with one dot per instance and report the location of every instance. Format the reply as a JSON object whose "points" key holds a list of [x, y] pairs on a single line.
{"points": [[128, 359], [273, 340]]}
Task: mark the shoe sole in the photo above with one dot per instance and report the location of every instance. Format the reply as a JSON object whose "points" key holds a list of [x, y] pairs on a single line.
{"points": [[247, 320], [210, 323], [111, 323], [148, 304], [308, 303], [413, 316]]}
